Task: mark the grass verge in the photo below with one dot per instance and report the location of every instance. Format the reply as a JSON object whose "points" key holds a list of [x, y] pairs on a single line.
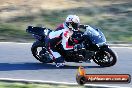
{"points": [[34, 85], [113, 17]]}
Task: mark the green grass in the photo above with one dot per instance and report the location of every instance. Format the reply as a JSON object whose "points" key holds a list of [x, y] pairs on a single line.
{"points": [[10, 32], [34, 85], [115, 20]]}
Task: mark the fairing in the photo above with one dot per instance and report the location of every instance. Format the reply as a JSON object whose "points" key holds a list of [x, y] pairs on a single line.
{"points": [[95, 35]]}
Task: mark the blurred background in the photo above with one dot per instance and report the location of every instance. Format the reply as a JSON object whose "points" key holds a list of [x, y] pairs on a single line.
{"points": [[114, 17]]}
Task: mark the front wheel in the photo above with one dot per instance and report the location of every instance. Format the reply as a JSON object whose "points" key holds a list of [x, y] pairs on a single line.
{"points": [[105, 58]]}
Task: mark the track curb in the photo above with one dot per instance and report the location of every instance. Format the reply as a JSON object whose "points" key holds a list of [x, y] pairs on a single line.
{"points": [[120, 45]]}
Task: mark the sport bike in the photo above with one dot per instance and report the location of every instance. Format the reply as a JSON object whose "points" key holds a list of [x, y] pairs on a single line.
{"points": [[91, 46]]}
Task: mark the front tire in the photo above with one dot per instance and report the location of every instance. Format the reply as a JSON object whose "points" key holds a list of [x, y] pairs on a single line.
{"points": [[105, 57]]}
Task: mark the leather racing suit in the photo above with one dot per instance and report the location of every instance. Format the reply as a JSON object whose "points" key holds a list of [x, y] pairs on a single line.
{"points": [[60, 35]]}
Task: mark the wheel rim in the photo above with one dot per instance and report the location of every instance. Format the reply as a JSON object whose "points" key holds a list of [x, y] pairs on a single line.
{"points": [[104, 58], [37, 52], [41, 55]]}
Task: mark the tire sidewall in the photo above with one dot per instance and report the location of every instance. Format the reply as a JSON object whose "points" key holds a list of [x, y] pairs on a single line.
{"points": [[112, 53], [34, 47]]}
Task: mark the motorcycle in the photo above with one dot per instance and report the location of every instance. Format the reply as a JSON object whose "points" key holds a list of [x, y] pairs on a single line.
{"points": [[92, 41]]}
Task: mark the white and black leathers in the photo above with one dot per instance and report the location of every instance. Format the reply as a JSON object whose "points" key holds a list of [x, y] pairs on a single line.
{"points": [[60, 35]]}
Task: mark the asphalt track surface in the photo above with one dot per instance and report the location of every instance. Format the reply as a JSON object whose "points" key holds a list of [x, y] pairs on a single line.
{"points": [[17, 62]]}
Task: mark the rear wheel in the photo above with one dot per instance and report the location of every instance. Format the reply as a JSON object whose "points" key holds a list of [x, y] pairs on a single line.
{"points": [[40, 53], [105, 58]]}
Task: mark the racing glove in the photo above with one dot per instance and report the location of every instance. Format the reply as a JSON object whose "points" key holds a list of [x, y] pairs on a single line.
{"points": [[83, 26], [78, 47]]}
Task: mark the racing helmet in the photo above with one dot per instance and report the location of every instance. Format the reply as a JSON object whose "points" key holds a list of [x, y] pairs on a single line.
{"points": [[72, 22]]}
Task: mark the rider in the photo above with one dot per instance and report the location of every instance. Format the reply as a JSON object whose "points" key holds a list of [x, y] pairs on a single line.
{"points": [[61, 35]]}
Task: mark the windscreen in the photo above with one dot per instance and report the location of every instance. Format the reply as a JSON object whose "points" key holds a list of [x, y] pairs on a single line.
{"points": [[95, 35]]}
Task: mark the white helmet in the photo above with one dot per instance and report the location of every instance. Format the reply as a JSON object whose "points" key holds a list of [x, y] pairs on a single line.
{"points": [[72, 21]]}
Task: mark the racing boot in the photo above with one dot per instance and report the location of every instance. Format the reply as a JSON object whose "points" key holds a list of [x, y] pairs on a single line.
{"points": [[59, 62]]}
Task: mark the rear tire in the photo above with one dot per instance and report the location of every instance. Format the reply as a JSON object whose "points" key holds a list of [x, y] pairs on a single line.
{"points": [[45, 58], [104, 56]]}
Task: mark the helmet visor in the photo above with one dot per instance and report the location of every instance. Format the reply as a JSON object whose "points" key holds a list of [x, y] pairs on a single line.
{"points": [[75, 25]]}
